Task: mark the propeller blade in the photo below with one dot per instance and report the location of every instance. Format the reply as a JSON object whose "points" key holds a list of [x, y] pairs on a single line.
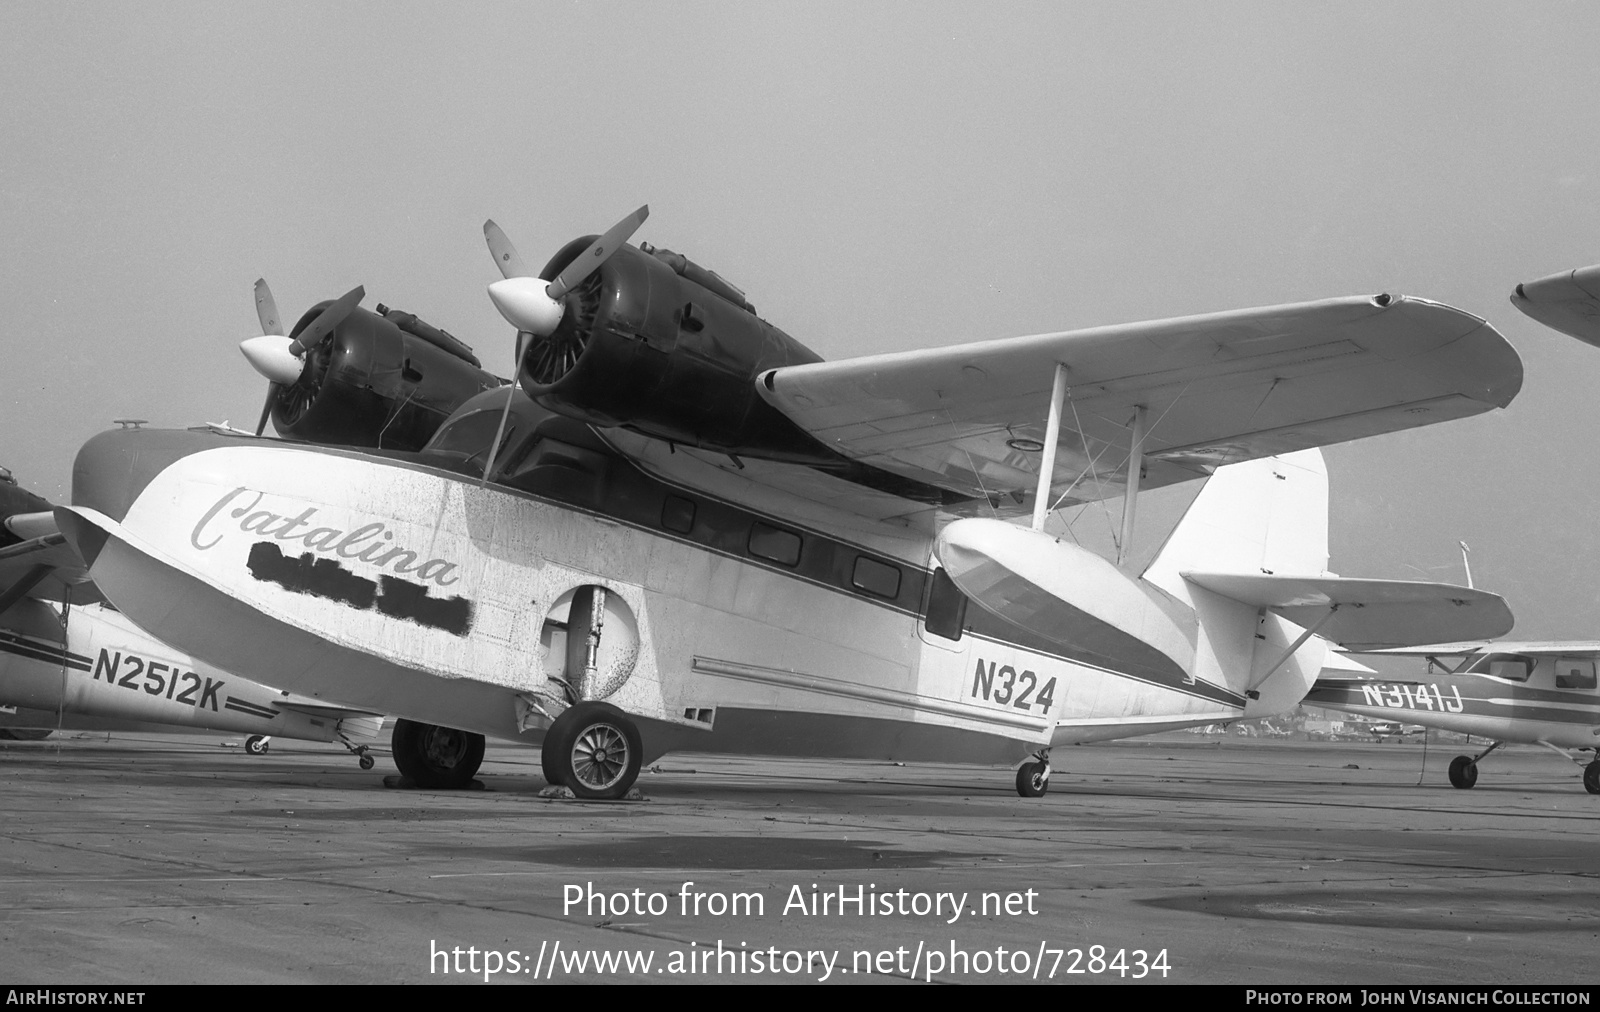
{"points": [[266, 409], [505, 254], [598, 253], [267, 309], [331, 317]]}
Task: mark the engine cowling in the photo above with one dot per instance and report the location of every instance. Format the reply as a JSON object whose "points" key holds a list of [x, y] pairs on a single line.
{"points": [[658, 344], [374, 384]]}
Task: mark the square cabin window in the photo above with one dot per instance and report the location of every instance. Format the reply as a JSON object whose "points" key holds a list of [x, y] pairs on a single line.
{"points": [[876, 578], [677, 514], [772, 543], [1572, 673]]}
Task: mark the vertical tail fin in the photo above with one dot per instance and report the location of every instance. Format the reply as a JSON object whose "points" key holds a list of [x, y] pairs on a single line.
{"points": [[1261, 516]]}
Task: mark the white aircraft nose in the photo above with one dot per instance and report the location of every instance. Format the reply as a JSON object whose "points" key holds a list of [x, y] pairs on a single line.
{"points": [[270, 356]]}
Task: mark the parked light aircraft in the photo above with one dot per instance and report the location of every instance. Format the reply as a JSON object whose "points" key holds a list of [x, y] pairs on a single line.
{"points": [[1531, 693], [681, 530], [77, 663]]}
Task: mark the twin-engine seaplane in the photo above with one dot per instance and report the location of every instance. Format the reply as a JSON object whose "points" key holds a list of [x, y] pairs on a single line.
{"points": [[679, 529], [1528, 693], [68, 661]]}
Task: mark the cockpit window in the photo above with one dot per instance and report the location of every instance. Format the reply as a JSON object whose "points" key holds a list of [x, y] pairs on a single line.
{"points": [[469, 438], [1511, 667]]}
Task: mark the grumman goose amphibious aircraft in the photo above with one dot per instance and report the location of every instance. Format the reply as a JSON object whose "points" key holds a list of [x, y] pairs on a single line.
{"points": [[681, 530]]}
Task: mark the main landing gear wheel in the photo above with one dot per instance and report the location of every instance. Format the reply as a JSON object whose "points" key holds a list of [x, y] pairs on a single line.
{"points": [[434, 756], [1464, 772], [1591, 777], [594, 750], [256, 744]]}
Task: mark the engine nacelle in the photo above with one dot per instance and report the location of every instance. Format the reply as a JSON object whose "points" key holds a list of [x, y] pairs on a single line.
{"points": [[658, 344], [374, 384]]}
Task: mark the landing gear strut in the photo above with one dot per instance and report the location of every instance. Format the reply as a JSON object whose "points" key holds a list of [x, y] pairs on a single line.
{"points": [[594, 750], [433, 756], [1033, 776]]}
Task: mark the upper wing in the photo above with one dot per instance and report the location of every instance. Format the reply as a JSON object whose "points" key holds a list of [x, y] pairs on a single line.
{"points": [[1568, 302], [1216, 389]]}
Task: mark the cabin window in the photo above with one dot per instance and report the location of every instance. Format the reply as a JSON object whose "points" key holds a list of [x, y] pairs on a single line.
{"points": [[677, 514], [946, 613], [877, 578], [1574, 674], [1511, 667], [772, 543]]}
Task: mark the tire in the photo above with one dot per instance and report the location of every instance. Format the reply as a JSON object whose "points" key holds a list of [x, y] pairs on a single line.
{"points": [[1032, 782], [1464, 772], [1591, 777], [436, 757], [256, 744], [594, 750]]}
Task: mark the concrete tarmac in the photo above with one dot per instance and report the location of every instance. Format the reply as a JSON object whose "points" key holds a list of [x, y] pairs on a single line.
{"points": [[135, 859]]}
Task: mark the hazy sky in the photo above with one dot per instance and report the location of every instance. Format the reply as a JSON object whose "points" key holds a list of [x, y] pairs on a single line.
{"points": [[877, 177]]}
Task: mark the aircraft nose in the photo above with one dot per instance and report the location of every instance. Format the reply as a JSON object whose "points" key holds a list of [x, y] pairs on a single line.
{"points": [[113, 467]]}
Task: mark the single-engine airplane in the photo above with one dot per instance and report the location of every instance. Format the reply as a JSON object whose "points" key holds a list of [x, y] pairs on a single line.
{"points": [[1505, 692], [78, 664], [679, 529]]}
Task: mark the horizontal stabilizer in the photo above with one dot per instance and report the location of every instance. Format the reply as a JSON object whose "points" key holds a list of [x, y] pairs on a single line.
{"points": [[1368, 614]]}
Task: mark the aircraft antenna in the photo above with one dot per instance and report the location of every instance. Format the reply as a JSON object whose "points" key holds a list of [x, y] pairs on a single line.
{"points": [[1465, 564]]}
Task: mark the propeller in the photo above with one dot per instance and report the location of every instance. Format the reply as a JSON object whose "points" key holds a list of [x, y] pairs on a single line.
{"points": [[280, 359], [533, 305]]}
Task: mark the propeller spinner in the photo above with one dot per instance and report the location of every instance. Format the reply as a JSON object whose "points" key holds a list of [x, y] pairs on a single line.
{"points": [[280, 359], [533, 305]]}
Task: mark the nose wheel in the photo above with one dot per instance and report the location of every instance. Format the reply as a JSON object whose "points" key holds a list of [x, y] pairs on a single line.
{"points": [[257, 744]]}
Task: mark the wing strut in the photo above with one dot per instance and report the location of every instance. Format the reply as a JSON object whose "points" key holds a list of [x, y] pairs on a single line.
{"points": [[1130, 501], [1052, 436]]}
